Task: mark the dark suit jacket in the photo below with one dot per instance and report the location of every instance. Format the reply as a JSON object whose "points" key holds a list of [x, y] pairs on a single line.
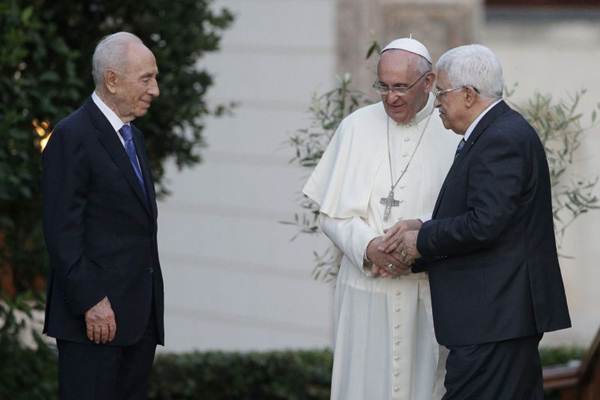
{"points": [[100, 230], [490, 249]]}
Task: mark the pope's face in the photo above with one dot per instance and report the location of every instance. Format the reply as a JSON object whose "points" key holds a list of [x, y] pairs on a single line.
{"points": [[136, 86], [397, 68], [451, 104]]}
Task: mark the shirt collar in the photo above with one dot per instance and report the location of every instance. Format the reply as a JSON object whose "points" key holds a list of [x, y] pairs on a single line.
{"points": [[471, 127], [114, 120], [425, 111]]}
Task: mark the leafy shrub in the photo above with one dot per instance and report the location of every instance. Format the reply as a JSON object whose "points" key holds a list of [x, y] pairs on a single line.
{"points": [[244, 376], [45, 73], [27, 374]]}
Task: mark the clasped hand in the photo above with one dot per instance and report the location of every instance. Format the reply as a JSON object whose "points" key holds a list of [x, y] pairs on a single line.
{"points": [[393, 253]]}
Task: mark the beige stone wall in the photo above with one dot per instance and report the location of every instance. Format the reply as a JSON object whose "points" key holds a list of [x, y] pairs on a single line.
{"points": [[233, 278], [439, 24]]}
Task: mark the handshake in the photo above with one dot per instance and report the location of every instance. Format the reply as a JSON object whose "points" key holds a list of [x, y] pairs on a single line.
{"points": [[393, 253]]}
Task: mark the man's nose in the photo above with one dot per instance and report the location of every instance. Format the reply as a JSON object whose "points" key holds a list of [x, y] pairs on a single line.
{"points": [[392, 97], [154, 90]]}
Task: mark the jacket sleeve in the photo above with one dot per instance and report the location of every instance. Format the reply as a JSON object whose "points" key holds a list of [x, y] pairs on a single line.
{"points": [[65, 187], [495, 183], [350, 235]]}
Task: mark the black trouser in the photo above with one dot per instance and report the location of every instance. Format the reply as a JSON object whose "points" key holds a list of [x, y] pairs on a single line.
{"points": [[508, 370], [89, 371]]}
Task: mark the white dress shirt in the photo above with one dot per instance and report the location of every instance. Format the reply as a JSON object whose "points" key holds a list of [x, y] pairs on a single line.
{"points": [[113, 119]]}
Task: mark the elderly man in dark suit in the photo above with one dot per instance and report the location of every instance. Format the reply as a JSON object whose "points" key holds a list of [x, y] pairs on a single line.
{"points": [[105, 290], [489, 248]]}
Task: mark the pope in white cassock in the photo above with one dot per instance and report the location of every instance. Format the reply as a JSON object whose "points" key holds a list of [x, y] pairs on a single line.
{"points": [[386, 162]]}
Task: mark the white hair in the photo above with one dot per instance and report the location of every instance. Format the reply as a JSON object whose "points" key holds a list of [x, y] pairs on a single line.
{"points": [[422, 65], [111, 52], [473, 65]]}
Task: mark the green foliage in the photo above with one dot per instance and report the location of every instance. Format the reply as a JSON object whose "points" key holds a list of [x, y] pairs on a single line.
{"points": [[560, 355], [218, 376], [559, 125], [30, 89], [45, 73], [179, 33], [326, 112], [27, 374]]}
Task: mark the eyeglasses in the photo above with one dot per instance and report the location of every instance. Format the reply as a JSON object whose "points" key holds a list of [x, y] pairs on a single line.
{"points": [[400, 90], [439, 93]]}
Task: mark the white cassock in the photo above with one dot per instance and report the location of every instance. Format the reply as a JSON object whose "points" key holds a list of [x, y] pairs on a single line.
{"points": [[385, 346]]}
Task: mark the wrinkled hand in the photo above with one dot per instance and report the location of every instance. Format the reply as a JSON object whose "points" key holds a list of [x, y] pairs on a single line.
{"points": [[379, 272], [392, 236], [407, 247], [100, 322], [381, 258], [385, 265], [384, 272]]}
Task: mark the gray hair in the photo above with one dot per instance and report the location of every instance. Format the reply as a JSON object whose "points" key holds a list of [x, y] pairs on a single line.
{"points": [[473, 65], [422, 65], [111, 52]]}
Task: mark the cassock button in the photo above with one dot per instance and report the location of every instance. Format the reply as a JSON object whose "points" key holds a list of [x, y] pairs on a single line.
{"points": [[396, 388]]}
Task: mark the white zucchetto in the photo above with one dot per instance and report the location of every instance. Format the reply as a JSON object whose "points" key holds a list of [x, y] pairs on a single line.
{"points": [[410, 45]]}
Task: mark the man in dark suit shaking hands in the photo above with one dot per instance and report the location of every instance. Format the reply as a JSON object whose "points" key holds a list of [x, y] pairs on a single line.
{"points": [[489, 248], [105, 290]]}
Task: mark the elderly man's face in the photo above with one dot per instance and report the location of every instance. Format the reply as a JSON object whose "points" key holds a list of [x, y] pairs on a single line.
{"points": [[451, 104], [397, 68], [136, 86]]}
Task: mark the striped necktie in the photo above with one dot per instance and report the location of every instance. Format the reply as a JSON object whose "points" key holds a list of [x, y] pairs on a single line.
{"points": [[459, 148]]}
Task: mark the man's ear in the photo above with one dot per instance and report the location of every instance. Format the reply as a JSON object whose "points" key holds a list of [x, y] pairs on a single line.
{"points": [[429, 81], [471, 96], [111, 79]]}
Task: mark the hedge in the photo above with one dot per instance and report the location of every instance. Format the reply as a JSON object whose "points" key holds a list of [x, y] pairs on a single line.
{"points": [[27, 374]]}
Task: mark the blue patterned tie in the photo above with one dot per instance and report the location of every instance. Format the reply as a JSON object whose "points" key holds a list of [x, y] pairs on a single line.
{"points": [[127, 136], [460, 146]]}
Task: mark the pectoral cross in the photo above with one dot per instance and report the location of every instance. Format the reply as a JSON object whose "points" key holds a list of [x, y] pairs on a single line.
{"points": [[389, 202]]}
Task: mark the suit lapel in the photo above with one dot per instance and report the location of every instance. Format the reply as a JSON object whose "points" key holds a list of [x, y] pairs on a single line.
{"points": [[439, 198], [483, 124], [108, 138]]}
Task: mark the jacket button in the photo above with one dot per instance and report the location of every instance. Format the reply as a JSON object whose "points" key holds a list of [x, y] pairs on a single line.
{"points": [[150, 270]]}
